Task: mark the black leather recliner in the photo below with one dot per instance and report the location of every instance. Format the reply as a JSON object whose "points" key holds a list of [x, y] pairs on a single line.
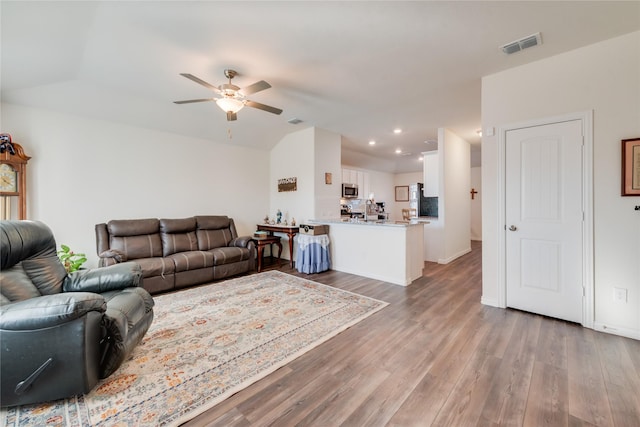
{"points": [[60, 333]]}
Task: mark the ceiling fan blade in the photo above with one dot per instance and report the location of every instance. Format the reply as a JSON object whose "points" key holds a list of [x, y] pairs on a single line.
{"points": [[231, 116], [201, 82], [259, 106], [189, 101], [256, 87]]}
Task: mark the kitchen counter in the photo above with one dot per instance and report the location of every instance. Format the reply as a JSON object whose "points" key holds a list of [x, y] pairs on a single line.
{"points": [[373, 222], [382, 250]]}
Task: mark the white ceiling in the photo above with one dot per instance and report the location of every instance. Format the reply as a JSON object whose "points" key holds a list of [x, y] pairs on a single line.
{"points": [[359, 69]]}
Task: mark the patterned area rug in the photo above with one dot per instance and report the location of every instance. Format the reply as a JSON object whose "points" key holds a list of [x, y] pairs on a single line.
{"points": [[204, 345]]}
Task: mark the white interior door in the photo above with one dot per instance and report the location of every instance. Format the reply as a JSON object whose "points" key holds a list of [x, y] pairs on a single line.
{"points": [[544, 219]]}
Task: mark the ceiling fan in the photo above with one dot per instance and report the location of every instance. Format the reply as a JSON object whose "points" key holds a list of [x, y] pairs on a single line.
{"points": [[233, 98]]}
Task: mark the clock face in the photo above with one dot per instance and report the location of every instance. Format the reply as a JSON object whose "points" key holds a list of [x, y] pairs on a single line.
{"points": [[8, 179]]}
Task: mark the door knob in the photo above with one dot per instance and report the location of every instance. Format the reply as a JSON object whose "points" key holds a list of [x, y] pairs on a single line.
{"points": [[513, 228]]}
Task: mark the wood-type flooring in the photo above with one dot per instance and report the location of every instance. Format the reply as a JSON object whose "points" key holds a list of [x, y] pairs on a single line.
{"points": [[437, 357]]}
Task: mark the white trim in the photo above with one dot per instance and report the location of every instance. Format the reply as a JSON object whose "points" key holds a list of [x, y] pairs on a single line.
{"points": [[454, 257], [623, 332], [587, 207], [490, 301]]}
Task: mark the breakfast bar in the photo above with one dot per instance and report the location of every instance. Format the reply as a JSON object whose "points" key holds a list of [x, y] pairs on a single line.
{"points": [[382, 250]]}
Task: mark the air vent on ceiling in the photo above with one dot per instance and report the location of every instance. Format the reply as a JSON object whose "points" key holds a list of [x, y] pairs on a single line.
{"points": [[294, 121], [524, 43]]}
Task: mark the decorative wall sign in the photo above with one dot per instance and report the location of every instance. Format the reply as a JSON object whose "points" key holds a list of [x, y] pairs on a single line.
{"points": [[287, 184], [631, 167]]}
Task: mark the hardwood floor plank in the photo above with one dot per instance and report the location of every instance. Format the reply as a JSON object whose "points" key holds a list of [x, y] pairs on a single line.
{"points": [[507, 398], [548, 400], [620, 376], [552, 346], [339, 406], [587, 392], [436, 356]]}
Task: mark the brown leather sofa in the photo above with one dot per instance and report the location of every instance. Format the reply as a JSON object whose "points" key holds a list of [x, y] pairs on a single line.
{"points": [[177, 253]]}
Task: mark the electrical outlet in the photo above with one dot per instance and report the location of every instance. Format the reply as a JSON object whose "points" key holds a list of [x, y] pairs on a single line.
{"points": [[620, 295]]}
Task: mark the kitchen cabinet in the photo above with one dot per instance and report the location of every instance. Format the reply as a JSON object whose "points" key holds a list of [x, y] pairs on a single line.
{"points": [[431, 173], [361, 178], [346, 177]]}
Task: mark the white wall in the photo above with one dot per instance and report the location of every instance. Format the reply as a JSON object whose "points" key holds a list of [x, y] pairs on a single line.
{"points": [[382, 185], [86, 171], [602, 77], [399, 180], [327, 160], [293, 157], [306, 154], [476, 204], [454, 203]]}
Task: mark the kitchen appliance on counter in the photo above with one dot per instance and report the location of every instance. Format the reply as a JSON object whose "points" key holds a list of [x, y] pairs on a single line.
{"points": [[349, 191], [381, 213], [376, 211], [352, 208]]}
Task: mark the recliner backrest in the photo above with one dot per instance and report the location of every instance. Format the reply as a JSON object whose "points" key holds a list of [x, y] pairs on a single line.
{"points": [[136, 238], [214, 231], [29, 264], [178, 235]]}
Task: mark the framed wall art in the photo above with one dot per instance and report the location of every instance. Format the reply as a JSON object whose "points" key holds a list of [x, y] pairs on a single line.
{"points": [[631, 167], [402, 193], [287, 184]]}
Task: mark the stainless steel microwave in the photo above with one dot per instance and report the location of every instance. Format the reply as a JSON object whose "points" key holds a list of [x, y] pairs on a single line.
{"points": [[350, 191]]}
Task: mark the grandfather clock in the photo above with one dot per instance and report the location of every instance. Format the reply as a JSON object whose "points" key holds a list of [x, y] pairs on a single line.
{"points": [[13, 178]]}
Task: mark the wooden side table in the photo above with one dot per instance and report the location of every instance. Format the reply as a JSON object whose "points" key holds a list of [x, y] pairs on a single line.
{"points": [[290, 230], [261, 243]]}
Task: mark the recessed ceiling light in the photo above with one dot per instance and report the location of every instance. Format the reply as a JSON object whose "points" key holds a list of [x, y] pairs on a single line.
{"points": [[397, 130], [420, 158], [372, 142], [398, 151]]}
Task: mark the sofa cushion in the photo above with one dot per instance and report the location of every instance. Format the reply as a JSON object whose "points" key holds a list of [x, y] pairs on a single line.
{"points": [[227, 255], [156, 266], [178, 235], [136, 238], [214, 232], [192, 260], [133, 227]]}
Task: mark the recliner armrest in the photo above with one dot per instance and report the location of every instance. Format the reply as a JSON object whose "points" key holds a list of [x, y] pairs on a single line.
{"points": [[49, 310], [98, 280], [240, 242]]}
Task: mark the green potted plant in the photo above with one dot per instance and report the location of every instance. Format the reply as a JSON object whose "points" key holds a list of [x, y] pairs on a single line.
{"points": [[71, 260]]}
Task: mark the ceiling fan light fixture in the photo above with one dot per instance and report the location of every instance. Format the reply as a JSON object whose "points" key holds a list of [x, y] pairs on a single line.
{"points": [[230, 104]]}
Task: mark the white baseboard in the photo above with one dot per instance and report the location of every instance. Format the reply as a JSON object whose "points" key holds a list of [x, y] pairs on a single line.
{"points": [[453, 257], [490, 301], [615, 330]]}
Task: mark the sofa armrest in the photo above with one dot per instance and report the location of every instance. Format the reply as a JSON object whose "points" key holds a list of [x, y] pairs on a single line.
{"points": [[49, 311], [98, 280], [114, 254], [240, 242]]}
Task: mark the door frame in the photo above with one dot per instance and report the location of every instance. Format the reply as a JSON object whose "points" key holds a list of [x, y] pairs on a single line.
{"points": [[587, 207]]}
